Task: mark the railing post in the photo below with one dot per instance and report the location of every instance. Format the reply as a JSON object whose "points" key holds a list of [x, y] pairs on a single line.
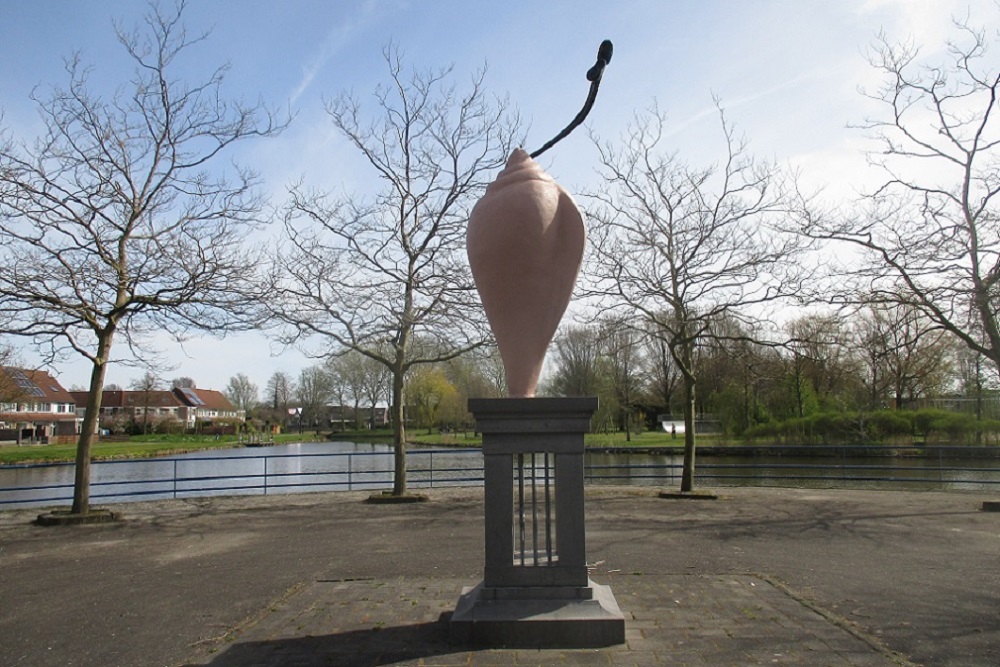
{"points": [[175, 478], [265, 475]]}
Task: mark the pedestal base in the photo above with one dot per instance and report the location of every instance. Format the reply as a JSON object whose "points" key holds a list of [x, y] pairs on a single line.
{"points": [[538, 617]]}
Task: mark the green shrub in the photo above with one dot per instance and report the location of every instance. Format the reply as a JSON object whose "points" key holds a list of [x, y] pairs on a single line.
{"points": [[882, 427], [886, 424]]}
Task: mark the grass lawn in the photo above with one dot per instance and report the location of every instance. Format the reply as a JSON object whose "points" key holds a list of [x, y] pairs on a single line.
{"points": [[650, 439], [163, 445], [137, 447]]}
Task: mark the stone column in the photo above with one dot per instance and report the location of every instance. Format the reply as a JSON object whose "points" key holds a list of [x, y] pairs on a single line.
{"points": [[535, 589]]}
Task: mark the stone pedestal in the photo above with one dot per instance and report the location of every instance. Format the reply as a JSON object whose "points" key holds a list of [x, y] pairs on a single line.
{"points": [[535, 590]]}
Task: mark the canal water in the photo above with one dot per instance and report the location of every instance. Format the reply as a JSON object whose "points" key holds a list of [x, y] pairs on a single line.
{"points": [[349, 466]]}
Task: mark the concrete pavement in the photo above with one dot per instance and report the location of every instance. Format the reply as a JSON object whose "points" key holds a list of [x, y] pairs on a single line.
{"points": [[760, 576]]}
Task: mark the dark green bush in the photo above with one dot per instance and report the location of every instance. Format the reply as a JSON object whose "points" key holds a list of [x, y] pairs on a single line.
{"points": [[881, 427]]}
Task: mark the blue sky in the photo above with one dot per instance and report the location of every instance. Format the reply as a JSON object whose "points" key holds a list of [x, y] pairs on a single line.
{"points": [[787, 72]]}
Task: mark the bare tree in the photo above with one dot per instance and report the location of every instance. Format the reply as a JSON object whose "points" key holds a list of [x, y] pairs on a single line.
{"points": [[351, 373], [907, 356], [823, 355], [620, 344], [976, 383], [182, 383], [492, 368], [314, 390], [733, 372], [576, 354], [661, 374], [387, 276], [242, 393], [928, 236], [378, 386], [113, 223], [146, 385], [675, 248], [474, 376], [278, 395]]}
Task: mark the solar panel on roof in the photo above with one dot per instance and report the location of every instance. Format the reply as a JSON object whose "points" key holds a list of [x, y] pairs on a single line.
{"points": [[25, 384], [191, 396]]}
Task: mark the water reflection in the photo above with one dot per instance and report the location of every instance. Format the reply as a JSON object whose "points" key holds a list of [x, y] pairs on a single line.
{"points": [[352, 466], [804, 472]]}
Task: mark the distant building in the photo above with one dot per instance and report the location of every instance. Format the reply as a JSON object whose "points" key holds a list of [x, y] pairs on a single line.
{"points": [[703, 424], [337, 417], [186, 406], [344, 416], [35, 408], [208, 405]]}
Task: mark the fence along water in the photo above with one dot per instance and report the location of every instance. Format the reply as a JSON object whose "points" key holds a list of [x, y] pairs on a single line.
{"points": [[368, 467]]}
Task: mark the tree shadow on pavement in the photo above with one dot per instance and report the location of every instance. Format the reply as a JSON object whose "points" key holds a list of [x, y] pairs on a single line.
{"points": [[356, 648]]}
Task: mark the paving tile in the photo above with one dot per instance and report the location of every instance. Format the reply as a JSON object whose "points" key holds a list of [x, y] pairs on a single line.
{"points": [[720, 620]]}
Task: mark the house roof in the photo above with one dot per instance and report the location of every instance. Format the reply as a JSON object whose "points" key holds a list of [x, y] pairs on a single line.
{"points": [[26, 385], [179, 397], [118, 398], [204, 398]]}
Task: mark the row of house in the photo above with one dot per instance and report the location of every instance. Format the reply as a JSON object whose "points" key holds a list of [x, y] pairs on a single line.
{"points": [[34, 407]]}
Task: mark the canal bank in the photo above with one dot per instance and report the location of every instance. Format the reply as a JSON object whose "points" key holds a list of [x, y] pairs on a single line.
{"points": [[761, 576], [345, 466]]}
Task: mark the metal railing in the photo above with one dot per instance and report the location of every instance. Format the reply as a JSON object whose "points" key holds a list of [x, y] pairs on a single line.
{"points": [[875, 466], [180, 477], [263, 474]]}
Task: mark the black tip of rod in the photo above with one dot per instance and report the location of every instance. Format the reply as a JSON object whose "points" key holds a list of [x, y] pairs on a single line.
{"points": [[603, 58], [594, 75]]}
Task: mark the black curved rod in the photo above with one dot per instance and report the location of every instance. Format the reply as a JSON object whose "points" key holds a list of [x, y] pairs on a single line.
{"points": [[594, 75]]}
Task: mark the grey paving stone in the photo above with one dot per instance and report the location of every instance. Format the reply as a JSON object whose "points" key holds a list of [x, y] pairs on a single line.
{"points": [[761, 576], [725, 620]]}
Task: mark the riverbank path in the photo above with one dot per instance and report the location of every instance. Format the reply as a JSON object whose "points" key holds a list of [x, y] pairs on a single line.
{"points": [[757, 577]]}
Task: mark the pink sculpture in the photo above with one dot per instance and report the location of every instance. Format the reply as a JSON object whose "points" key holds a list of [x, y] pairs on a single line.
{"points": [[525, 244]]}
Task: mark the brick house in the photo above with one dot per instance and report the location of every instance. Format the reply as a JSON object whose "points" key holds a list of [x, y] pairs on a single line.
{"points": [[34, 407], [186, 406], [208, 405]]}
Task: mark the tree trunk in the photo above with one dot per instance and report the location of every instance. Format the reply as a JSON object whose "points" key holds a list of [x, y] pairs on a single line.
{"points": [[81, 481], [398, 435], [687, 476]]}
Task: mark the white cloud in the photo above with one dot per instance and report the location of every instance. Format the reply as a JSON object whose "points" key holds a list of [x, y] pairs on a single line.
{"points": [[339, 38]]}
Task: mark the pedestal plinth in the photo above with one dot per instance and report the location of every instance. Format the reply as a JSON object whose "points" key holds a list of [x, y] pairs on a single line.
{"points": [[535, 590]]}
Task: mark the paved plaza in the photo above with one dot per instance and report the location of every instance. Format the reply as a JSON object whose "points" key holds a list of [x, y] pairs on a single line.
{"points": [[757, 577]]}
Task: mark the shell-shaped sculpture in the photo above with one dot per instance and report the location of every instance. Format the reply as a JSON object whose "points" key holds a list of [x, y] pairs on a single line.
{"points": [[525, 242]]}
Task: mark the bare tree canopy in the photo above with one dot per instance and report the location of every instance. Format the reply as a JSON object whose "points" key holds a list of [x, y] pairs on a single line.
{"points": [[386, 276], [907, 357], [929, 236], [242, 393], [677, 248], [148, 382], [279, 390], [314, 391], [112, 223]]}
